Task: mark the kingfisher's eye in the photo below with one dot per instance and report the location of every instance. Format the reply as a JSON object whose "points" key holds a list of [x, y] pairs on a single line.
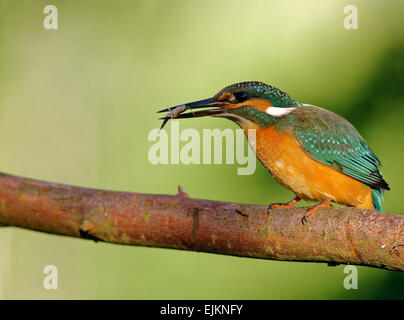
{"points": [[241, 96]]}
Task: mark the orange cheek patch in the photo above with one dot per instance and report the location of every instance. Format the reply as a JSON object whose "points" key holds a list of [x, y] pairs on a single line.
{"points": [[259, 104]]}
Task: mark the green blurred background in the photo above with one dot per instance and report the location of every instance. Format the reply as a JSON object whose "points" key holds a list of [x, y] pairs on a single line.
{"points": [[77, 104]]}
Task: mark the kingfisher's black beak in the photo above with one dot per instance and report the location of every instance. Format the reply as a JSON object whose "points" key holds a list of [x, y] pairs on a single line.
{"points": [[178, 111]]}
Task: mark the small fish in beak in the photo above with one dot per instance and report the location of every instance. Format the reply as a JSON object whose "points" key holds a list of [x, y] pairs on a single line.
{"points": [[173, 113], [177, 111]]}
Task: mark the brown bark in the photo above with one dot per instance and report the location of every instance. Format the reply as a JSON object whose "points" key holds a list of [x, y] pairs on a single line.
{"points": [[332, 235]]}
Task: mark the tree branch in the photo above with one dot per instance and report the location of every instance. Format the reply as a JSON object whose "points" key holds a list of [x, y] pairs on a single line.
{"points": [[332, 235]]}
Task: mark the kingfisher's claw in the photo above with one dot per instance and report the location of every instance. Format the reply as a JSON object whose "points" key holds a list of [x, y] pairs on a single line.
{"points": [[272, 206]]}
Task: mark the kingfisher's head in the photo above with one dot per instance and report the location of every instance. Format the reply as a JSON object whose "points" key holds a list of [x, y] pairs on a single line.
{"points": [[249, 104]]}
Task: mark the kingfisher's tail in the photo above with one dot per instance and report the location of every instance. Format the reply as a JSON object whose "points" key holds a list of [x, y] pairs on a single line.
{"points": [[377, 199]]}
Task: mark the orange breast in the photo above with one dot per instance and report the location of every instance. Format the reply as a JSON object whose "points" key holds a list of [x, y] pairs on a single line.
{"points": [[306, 177]]}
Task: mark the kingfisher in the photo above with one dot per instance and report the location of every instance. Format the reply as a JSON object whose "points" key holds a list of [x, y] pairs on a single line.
{"points": [[313, 152]]}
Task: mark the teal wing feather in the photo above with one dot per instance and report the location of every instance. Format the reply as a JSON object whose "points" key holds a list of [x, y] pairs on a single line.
{"points": [[333, 141]]}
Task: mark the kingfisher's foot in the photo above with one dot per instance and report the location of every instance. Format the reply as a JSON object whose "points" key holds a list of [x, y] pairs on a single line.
{"points": [[325, 203], [289, 204]]}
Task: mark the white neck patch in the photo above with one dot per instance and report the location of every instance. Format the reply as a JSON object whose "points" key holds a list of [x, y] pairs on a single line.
{"points": [[279, 112]]}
